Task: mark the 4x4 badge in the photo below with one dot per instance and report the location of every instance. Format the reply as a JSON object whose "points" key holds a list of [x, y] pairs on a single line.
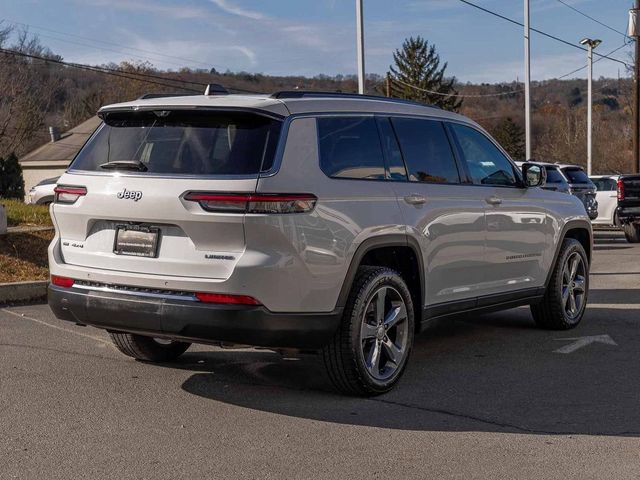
{"points": [[130, 195]]}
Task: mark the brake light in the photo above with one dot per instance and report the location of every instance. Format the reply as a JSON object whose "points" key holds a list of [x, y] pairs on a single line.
{"points": [[226, 299], [68, 194], [64, 282], [253, 203], [620, 190]]}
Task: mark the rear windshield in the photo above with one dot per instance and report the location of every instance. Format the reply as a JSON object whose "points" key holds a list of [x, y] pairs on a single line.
{"points": [[605, 184], [576, 175], [183, 142], [554, 176]]}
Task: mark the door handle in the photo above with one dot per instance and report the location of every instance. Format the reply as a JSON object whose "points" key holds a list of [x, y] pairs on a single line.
{"points": [[493, 200], [415, 199]]}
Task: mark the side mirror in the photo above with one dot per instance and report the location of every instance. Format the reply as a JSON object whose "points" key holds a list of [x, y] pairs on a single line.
{"points": [[534, 175]]}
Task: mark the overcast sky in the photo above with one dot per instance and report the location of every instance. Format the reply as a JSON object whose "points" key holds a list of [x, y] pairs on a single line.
{"points": [[309, 37]]}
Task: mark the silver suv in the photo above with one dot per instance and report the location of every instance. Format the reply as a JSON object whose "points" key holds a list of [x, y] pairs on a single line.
{"points": [[336, 223]]}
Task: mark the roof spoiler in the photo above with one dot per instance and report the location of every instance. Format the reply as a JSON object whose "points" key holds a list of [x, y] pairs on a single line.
{"points": [[215, 89]]}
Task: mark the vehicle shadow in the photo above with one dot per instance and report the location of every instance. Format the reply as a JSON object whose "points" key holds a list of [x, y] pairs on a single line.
{"points": [[495, 373]]}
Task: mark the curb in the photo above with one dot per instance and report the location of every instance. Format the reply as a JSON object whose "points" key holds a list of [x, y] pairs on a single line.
{"points": [[22, 291]]}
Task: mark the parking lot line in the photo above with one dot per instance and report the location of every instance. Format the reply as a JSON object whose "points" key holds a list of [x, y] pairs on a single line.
{"points": [[56, 327]]}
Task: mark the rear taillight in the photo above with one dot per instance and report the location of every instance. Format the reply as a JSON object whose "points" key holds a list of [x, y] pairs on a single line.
{"points": [[253, 202], [223, 298], [620, 190], [64, 282], [68, 194]]}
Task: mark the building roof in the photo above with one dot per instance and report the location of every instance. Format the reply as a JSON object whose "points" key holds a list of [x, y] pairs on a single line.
{"points": [[62, 152], [285, 105]]}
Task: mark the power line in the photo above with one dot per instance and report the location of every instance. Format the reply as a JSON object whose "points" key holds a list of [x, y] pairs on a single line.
{"points": [[540, 32], [499, 94], [103, 70], [595, 61], [104, 42], [124, 74], [591, 18], [432, 92]]}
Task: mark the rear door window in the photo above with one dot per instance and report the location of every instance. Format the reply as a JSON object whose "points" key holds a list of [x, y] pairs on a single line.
{"points": [[576, 175], [426, 150], [350, 148], [183, 143], [487, 165]]}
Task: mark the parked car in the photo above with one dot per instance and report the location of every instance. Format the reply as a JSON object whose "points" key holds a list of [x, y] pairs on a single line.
{"points": [[628, 210], [582, 187], [607, 198], [42, 193], [573, 180], [337, 223]]}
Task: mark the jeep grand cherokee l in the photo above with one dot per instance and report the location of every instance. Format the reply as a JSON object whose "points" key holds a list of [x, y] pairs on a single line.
{"points": [[332, 222]]}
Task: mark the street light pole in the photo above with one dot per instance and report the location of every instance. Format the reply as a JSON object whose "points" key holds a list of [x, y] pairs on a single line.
{"points": [[360, 45], [527, 81], [634, 33], [591, 44]]}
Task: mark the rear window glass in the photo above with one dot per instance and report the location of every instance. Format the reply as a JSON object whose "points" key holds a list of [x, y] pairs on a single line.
{"points": [[182, 142], [576, 175], [605, 184], [554, 176], [350, 148]]}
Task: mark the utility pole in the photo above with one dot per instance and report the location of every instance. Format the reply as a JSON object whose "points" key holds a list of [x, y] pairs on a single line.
{"points": [[527, 81], [634, 33], [360, 45], [591, 44], [388, 85]]}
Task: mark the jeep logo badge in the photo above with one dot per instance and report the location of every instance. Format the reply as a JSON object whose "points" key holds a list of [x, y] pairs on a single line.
{"points": [[130, 195]]}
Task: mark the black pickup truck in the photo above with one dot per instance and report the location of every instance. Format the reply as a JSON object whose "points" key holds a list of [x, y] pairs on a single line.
{"points": [[629, 206]]}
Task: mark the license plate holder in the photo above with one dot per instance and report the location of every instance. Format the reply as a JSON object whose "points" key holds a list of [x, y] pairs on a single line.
{"points": [[136, 241]]}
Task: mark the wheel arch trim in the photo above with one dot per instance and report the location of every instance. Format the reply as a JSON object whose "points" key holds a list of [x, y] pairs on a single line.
{"points": [[373, 243]]}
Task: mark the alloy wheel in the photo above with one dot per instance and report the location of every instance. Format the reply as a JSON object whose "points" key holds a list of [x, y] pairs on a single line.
{"points": [[384, 333], [573, 285]]}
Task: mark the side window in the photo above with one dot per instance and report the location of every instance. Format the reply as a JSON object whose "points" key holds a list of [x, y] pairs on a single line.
{"points": [[486, 163], [426, 150], [554, 175], [395, 164], [350, 148]]}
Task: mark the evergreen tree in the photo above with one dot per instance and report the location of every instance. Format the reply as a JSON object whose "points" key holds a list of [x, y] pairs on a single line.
{"points": [[11, 180], [512, 138], [418, 65]]}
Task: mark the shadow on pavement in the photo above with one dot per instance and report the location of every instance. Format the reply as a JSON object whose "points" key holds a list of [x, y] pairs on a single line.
{"points": [[496, 373]]}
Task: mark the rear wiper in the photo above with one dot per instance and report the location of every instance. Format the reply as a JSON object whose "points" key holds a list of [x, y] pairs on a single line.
{"points": [[125, 165]]}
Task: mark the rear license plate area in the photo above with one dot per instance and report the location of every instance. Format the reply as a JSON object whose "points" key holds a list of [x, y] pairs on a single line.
{"points": [[136, 241]]}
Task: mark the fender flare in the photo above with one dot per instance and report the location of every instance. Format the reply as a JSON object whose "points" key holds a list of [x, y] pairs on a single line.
{"points": [[570, 225], [382, 241]]}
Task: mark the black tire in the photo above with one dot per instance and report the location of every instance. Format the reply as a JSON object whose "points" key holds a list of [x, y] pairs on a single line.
{"points": [[344, 357], [148, 349], [551, 313], [631, 233]]}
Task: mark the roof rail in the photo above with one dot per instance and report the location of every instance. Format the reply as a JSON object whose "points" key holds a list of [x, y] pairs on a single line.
{"points": [[215, 89], [284, 94], [164, 95]]}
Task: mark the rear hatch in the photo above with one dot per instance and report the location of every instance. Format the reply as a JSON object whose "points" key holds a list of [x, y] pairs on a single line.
{"points": [[124, 205]]}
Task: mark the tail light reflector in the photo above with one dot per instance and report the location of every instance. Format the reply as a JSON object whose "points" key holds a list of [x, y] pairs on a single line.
{"points": [[68, 194], [253, 203], [64, 282], [620, 190], [226, 299]]}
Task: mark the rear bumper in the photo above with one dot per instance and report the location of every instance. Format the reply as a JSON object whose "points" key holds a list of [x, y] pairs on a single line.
{"points": [[628, 214], [193, 321]]}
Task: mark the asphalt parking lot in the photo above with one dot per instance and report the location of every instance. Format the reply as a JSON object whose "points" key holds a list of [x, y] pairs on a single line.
{"points": [[488, 397]]}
